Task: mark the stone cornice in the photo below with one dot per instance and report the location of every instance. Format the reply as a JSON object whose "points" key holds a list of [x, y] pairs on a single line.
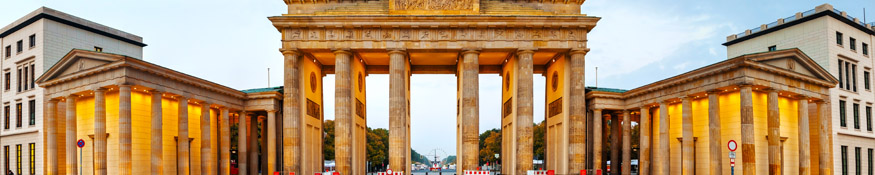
{"points": [[434, 21]]}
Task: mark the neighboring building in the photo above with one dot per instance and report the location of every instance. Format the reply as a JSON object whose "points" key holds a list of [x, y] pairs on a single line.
{"points": [[31, 45], [842, 45]]}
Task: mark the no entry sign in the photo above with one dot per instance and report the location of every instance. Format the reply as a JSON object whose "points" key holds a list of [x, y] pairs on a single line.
{"points": [[80, 143], [732, 145]]}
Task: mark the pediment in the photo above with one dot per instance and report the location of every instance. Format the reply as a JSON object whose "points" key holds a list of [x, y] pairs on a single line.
{"points": [[793, 60], [78, 61], [792, 65]]}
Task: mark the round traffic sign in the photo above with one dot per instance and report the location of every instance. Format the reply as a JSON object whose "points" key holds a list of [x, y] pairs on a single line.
{"points": [[732, 145], [80, 143]]}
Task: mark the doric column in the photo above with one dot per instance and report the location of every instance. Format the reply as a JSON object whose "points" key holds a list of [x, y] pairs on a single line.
{"points": [[774, 123], [271, 142], [469, 70], [71, 155], [663, 148], [124, 125], [627, 143], [524, 111], [100, 131], [748, 149], [51, 137], [225, 144], [577, 113], [825, 141], [253, 144], [804, 137], [206, 147], [715, 144], [616, 134], [343, 111], [291, 139], [242, 151], [687, 144], [597, 139], [157, 133], [182, 144], [398, 110], [644, 141]]}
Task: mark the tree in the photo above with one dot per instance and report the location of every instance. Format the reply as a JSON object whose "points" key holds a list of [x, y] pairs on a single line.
{"points": [[539, 133], [449, 160], [377, 147], [490, 144], [328, 146]]}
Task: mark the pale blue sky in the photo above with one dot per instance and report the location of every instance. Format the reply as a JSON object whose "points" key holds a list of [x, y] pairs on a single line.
{"points": [[231, 42]]}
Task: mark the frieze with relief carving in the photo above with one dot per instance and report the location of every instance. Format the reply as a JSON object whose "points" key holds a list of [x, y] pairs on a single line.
{"points": [[434, 4], [437, 34]]}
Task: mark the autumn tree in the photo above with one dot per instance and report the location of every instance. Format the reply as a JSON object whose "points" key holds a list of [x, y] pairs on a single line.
{"points": [[328, 140]]}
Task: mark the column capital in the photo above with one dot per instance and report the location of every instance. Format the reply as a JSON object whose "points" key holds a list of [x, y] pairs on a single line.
{"points": [[54, 100], [124, 85], [579, 51], [525, 51], [270, 110], [770, 89], [714, 91], [646, 107], [289, 51], [341, 51], [744, 84], [99, 89], [397, 51], [471, 51], [156, 91], [597, 110]]}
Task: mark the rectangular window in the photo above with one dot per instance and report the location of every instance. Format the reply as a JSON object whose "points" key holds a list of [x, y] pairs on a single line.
{"points": [[853, 76], [870, 161], [853, 43], [868, 118], [839, 38], [6, 158], [866, 80], [31, 106], [18, 115], [7, 78], [18, 159], [773, 48], [841, 77], [844, 160], [32, 40], [8, 51], [32, 76], [98, 49], [865, 49], [32, 158], [857, 161], [6, 117], [847, 75], [843, 115], [26, 70], [18, 83], [20, 45], [856, 116]]}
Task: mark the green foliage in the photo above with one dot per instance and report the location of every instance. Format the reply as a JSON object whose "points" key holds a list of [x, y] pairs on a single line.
{"points": [[539, 133], [328, 140], [449, 160], [416, 157], [377, 147], [490, 144]]}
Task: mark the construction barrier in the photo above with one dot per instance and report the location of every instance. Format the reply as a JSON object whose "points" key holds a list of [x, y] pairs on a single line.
{"points": [[591, 172], [393, 173], [536, 172], [468, 172]]}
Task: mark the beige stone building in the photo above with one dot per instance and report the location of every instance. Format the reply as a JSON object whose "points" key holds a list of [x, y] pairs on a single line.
{"points": [[840, 44], [30, 45]]}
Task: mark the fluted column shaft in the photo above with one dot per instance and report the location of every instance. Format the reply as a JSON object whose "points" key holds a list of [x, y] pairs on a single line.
{"points": [[469, 109], [225, 138], [51, 137], [206, 146], [100, 131], [577, 114], [616, 134], [825, 141], [687, 144], [291, 139], [597, 139], [748, 149], [663, 147], [644, 141], [271, 142], [804, 137], [71, 135], [182, 141], [774, 123], [253, 145], [398, 110], [157, 133], [125, 131], [343, 111], [715, 145], [627, 143], [242, 145], [524, 111]]}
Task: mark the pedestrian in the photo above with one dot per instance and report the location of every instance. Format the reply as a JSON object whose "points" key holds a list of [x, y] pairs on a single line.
{"points": [[9, 172]]}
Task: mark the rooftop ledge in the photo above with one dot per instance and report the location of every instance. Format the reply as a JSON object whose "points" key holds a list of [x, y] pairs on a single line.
{"points": [[799, 17]]}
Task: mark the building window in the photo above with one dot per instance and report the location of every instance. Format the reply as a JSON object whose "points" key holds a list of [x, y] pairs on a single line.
{"points": [[31, 106], [853, 43], [865, 49], [844, 160], [18, 83], [856, 116], [843, 115], [18, 115], [866, 80], [773, 48], [853, 76], [18, 159], [6, 117], [32, 40], [841, 77], [839, 38], [32, 158], [6, 158], [7, 78], [868, 118], [32, 76], [8, 51], [870, 161], [20, 45], [98, 49], [857, 161], [26, 71]]}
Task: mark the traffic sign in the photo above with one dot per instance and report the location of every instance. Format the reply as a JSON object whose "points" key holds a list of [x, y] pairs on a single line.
{"points": [[732, 145], [732, 155], [80, 143]]}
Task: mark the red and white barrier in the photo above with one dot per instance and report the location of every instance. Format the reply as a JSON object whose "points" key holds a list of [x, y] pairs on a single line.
{"points": [[536, 172], [392, 173], [468, 172]]}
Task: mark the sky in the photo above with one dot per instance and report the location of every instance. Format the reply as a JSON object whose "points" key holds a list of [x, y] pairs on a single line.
{"points": [[232, 43]]}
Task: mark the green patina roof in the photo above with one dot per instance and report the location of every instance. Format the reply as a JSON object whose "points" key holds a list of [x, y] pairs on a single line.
{"points": [[601, 89], [267, 89]]}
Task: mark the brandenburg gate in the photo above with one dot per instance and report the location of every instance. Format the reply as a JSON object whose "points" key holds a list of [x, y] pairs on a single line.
{"points": [[353, 39]]}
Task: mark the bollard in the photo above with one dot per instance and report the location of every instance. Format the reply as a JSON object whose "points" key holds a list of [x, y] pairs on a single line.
{"points": [[598, 172]]}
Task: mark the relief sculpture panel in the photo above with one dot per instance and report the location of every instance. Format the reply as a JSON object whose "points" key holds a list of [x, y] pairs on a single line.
{"points": [[434, 4]]}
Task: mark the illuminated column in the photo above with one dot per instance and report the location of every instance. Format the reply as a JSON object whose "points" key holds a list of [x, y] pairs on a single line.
{"points": [[524, 94], [468, 73], [748, 151], [616, 133], [398, 107], [182, 141], [597, 139], [124, 119], [825, 164], [206, 146], [157, 133], [271, 142], [225, 137], [242, 151], [577, 114], [644, 141], [291, 139], [715, 144], [342, 111], [804, 137], [687, 144], [253, 144], [663, 150], [51, 137], [71, 155], [100, 131], [774, 123], [627, 143]]}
